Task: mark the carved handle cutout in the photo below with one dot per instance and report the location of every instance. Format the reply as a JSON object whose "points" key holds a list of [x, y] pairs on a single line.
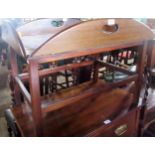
{"points": [[109, 29]]}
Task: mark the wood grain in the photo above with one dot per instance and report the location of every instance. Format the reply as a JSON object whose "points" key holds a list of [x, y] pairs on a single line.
{"points": [[90, 35]]}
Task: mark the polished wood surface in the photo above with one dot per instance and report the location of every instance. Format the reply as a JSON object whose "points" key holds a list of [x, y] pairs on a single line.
{"points": [[83, 108], [128, 120], [74, 119], [44, 26], [28, 37], [36, 33], [90, 35], [37, 38]]}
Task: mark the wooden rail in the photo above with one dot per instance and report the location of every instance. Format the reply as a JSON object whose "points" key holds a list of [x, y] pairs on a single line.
{"points": [[45, 72], [125, 81], [23, 89], [60, 103], [113, 67]]}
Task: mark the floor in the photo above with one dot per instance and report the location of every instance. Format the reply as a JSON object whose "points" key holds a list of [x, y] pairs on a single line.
{"points": [[5, 99]]}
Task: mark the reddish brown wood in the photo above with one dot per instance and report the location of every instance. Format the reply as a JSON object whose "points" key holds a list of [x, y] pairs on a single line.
{"points": [[44, 26], [14, 73], [96, 69], [142, 50], [71, 96], [82, 108], [129, 120], [89, 35], [35, 97], [151, 54], [125, 81], [23, 89], [116, 68], [77, 53], [45, 72], [29, 37], [75, 120]]}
